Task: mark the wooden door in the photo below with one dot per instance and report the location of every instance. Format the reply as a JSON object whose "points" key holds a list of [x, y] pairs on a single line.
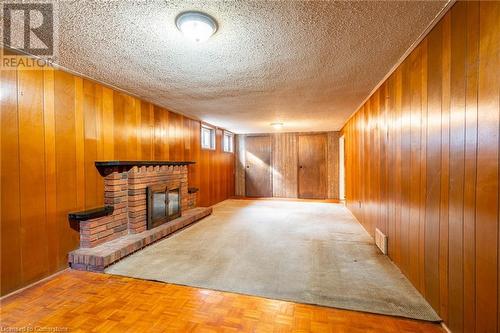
{"points": [[312, 166], [258, 181]]}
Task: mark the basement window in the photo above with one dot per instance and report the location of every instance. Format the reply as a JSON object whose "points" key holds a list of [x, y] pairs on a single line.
{"points": [[228, 142], [207, 137]]}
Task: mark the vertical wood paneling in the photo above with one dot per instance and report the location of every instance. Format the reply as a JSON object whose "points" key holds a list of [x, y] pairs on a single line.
{"points": [[217, 189], [375, 161], [50, 169], [406, 178], [423, 169], [456, 180], [195, 170], [239, 178], [100, 154], [391, 214], [469, 224], [442, 149], [66, 184], [396, 191], [54, 126], [146, 131], [445, 151], [382, 139], [131, 127], [160, 133], [433, 166], [284, 164], [119, 131], [175, 139], [32, 174], [365, 161], [415, 165], [90, 112], [487, 168], [10, 207], [108, 121], [80, 142], [333, 164]]}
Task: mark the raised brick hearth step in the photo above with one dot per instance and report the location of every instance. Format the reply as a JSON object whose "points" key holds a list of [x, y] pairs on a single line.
{"points": [[97, 258]]}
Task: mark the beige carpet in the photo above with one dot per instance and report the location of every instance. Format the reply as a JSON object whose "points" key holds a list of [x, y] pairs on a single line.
{"points": [[305, 252]]}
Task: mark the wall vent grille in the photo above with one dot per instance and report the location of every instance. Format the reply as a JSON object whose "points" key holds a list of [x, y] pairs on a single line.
{"points": [[381, 240]]}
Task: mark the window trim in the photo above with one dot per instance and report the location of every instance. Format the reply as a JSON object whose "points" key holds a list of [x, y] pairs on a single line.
{"points": [[231, 135], [213, 138]]}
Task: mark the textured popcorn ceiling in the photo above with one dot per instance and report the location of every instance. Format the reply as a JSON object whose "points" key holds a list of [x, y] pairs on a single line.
{"points": [[307, 64]]}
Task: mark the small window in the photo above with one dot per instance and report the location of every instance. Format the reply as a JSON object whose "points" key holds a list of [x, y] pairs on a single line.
{"points": [[207, 137], [228, 142]]}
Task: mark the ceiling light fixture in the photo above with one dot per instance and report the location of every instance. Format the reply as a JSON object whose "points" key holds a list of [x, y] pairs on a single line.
{"points": [[196, 26], [277, 126]]}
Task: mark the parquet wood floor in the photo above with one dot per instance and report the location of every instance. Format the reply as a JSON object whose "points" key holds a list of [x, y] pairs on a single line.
{"points": [[76, 301]]}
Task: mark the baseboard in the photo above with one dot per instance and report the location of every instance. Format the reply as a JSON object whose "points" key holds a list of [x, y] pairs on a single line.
{"points": [[33, 284], [445, 327]]}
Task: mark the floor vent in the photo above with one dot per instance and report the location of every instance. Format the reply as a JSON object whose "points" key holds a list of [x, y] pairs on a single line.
{"points": [[381, 240]]}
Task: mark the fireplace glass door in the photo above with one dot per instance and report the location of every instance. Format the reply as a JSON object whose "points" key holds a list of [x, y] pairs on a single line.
{"points": [[163, 205], [174, 203], [159, 206]]}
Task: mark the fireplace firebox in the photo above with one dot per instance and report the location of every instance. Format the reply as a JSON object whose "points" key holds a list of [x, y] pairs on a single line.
{"points": [[163, 204]]}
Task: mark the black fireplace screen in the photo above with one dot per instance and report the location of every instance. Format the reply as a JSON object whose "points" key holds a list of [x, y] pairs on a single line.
{"points": [[164, 204]]}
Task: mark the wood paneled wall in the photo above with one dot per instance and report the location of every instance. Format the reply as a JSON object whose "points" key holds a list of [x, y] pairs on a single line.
{"points": [[54, 126], [333, 165], [422, 165], [284, 164]]}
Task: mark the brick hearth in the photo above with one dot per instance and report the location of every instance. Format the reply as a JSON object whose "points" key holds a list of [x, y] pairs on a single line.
{"points": [[98, 258], [104, 238]]}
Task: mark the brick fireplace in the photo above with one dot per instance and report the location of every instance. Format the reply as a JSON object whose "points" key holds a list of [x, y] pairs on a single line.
{"points": [[126, 191], [121, 226]]}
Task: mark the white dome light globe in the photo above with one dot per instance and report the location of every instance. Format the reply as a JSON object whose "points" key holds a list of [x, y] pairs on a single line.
{"points": [[196, 26]]}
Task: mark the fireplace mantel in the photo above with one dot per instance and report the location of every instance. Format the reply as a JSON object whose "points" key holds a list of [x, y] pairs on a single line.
{"points": [[139, 163], [107, 167]]}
